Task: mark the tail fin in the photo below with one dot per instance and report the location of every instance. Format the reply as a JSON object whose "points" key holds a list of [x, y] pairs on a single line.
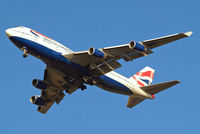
{"points": [[143, 77]]}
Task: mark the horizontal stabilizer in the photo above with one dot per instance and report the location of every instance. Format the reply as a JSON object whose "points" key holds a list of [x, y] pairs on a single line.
{"points": [[153, 89], [132, 101]]}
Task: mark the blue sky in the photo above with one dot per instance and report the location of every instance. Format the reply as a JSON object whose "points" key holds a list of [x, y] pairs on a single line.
{"points": [[81, 24]]}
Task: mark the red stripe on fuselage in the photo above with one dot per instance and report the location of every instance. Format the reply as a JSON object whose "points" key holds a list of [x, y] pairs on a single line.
{"points": [[40, 34]]}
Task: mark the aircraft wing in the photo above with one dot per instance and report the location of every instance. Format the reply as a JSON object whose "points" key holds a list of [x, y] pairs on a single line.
{"points": [[109, 63], [57, 83]]}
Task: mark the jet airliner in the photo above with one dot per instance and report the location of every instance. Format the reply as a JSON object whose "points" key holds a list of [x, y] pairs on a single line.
{"points": [[68, 71]]}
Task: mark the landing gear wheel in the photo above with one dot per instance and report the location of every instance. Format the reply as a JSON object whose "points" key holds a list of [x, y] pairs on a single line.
{"points": [[25, 55], [90, 82], [24, 49], [83, 87], [67, 91]]}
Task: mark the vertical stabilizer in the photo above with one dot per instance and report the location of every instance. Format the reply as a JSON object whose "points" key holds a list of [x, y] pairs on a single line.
{"points": [[143, 77]]}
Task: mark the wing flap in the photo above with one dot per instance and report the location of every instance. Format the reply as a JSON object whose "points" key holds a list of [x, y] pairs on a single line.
{"points": [[105, 67], [134, 55], [83, 58], [118, 51], [44, 109], [50, 97], [153, 89]]}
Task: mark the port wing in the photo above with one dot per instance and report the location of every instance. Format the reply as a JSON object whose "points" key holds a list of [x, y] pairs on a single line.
{"points": [[133, 101]]}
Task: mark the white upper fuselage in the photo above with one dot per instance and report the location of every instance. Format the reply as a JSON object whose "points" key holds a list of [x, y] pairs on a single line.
{"points": [[111, 81], [34, 36]]}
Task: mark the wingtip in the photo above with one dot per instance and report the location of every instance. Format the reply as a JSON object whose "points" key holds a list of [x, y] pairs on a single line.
{"points": [[188, 33], [177, 81]]}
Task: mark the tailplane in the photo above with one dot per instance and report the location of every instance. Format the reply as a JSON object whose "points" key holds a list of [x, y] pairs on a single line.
{"points": [[151, 89], [144, 79], [156, 88]]}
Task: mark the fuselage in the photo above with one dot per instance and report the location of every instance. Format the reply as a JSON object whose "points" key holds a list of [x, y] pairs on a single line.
{"points": [[51, 53]]}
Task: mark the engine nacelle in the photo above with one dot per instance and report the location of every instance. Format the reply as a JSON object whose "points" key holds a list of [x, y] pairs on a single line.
{"points": [[137, 46], [37, 100], [96, 52], [39, 84]]}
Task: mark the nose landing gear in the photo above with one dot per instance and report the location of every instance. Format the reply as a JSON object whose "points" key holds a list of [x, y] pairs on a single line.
{"points": [[24, 49]]}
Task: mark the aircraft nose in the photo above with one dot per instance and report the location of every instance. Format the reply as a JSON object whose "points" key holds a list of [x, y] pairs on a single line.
{"points": [[8, 32]]}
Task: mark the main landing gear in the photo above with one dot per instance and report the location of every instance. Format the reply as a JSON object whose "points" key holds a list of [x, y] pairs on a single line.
{"points": [[88, 80], [83, 87], [80, 85], [24, 49]]}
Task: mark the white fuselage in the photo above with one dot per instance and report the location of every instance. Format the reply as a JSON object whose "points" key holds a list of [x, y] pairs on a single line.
{"points": [[131, 85], [111, 81], [34, 36]]}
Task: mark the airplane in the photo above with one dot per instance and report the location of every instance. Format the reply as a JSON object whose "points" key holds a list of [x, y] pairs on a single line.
{"points": [[68, 71]]}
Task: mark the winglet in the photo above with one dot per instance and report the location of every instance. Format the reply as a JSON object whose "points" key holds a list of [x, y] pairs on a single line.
{"points": [[188, 33]]}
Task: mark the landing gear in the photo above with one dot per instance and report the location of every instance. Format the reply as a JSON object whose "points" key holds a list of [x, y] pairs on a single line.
{"points": [[24, 49], [83, 87], [25, 55], [67, 91], [88, 80]]}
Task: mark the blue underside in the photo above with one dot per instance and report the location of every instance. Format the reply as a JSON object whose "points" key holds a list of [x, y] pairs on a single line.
{"points": [[51, 57], [111, 85]]}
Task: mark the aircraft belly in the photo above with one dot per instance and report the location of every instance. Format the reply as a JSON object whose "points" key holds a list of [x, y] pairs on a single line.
{"points": [[49, 56], [112, 85]]}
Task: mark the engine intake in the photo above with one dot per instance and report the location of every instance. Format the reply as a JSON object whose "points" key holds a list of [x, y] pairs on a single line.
{"points": [[37, 100], [39, 84], [137, 46], [96, 52]]}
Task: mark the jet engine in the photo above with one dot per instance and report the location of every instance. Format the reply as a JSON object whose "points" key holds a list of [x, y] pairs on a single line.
{"points": [[37, 100], [137, 46], [39, 84], [96, 52]]}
